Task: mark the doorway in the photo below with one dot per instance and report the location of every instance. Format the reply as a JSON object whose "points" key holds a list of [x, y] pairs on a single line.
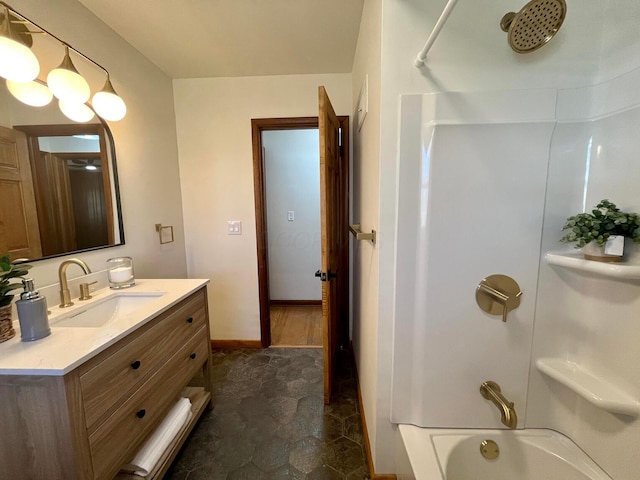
{"points": [[292, 197], [301, 313]]}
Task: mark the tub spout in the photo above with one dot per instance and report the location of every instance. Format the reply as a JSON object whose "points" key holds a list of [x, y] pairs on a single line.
{"points": [[492, 391]]}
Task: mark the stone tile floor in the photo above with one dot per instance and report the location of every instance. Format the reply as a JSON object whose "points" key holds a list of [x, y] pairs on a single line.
{"points": [[269, 421]]}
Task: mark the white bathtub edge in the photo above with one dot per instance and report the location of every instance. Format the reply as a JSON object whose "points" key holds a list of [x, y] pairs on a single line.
{"points": [[423, 454], [424, 461]]}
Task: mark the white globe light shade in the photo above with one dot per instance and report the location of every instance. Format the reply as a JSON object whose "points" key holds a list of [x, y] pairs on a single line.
{"points": [[109, 106], [78, 112], [68, 86], [17, 61], [33, 93]]}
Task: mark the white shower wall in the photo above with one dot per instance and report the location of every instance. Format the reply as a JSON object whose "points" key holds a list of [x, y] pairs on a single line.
{"points": [[599, 41], [580, 317], [473, 169]]}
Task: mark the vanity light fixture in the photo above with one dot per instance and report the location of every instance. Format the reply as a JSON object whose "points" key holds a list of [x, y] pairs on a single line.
{"points": [[34, 93], [17, 61], [64, 81]]}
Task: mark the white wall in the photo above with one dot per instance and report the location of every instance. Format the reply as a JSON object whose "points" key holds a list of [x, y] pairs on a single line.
{"points": [[146, 143], [216, 173], [619, 51], [292, 183], [365, 198]]}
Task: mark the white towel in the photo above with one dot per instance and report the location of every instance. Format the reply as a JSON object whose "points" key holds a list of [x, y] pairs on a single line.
{"points": [[151, 451]]}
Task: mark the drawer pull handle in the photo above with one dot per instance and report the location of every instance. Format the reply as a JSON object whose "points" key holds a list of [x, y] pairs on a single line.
{"points": [[192, 356], [141, 413], [190, 320], [136, 365]]}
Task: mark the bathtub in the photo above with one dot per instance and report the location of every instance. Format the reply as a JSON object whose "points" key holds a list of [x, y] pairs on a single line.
{"points": [[441, 454]]}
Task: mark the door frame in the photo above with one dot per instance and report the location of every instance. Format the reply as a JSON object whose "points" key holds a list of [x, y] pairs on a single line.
{"points": [[259, 125]]}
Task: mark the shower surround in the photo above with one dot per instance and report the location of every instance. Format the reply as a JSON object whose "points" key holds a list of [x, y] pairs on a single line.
{"points": [[488, 180]]}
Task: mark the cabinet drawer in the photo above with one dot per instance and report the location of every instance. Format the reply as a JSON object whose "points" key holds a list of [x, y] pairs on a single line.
{"points": [[111, 443], [125, 367], [182, 325]]}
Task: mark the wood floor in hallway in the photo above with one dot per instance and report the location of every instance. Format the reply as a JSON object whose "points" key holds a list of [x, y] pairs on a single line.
{"points": [[299, 325]]}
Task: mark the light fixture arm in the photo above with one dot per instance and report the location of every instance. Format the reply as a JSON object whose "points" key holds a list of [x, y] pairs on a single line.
{"points": [[7, 30]]}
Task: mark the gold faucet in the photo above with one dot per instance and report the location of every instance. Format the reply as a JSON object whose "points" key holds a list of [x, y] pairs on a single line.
{"points": [[65, 296], [492, 391]]}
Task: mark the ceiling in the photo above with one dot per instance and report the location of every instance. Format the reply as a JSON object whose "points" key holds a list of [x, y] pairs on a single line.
{"points": [[229, 38]]}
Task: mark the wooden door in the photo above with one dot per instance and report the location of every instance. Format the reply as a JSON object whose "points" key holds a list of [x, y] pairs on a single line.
{"points": [[19, 232], [55, 204], [89, 208], [330, 216]]}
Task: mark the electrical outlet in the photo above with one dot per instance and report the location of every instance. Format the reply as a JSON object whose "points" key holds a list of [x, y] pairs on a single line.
{"points": [[234, 227]]}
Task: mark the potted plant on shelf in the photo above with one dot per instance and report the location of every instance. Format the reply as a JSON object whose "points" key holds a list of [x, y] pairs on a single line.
{"points": [[8, 272], [592, 231]]}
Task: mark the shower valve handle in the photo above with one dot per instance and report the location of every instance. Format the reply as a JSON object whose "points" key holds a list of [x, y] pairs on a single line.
{"points": [[498, 295]]}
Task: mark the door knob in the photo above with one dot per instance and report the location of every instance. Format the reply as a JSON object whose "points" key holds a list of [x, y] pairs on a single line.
{"points": [[324, 277]]}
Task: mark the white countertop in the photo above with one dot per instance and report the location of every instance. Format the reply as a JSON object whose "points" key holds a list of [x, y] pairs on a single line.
{"points": [[68, 347]]}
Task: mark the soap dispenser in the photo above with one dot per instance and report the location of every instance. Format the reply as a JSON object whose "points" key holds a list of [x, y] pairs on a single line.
{"points": [[32, 313]]}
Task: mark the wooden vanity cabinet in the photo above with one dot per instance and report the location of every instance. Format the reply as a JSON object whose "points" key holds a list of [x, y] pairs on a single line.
{"points": [[86, 424]]}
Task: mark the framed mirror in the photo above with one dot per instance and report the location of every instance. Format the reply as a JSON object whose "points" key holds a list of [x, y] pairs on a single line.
{"points": [[58, 183]]}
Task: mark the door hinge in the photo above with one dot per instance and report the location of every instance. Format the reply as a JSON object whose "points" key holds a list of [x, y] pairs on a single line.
{"points": [[324, 277]]}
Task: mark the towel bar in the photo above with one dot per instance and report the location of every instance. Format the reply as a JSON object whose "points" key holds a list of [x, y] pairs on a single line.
{"points": [[355, 230]]}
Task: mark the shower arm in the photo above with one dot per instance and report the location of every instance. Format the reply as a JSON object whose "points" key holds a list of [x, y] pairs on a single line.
{"points": [[444, 16]]}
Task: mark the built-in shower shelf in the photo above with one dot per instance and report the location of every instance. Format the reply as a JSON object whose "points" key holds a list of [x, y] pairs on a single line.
{"points": [[574, 261], [597, 390]]}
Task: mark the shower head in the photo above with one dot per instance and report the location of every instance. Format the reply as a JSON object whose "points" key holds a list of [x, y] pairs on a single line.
{"points": [[534, 25]]}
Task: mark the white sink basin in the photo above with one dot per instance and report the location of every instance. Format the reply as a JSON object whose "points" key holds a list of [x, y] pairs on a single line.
{"points": [[101, 312]]}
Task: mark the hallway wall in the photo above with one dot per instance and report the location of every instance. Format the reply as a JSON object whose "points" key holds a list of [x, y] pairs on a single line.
{"points": [[365, 200], [292, 184], [216, 173]]}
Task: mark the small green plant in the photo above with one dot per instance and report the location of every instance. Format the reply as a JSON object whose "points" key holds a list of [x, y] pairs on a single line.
{"points": [[8, 272], [603, 221]]}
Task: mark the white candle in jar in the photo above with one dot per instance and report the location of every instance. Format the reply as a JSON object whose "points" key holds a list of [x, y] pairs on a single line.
{"points": [[120, 274]]}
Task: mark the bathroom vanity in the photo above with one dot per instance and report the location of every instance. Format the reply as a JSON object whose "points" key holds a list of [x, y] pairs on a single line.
{"points": [[79, 403]]}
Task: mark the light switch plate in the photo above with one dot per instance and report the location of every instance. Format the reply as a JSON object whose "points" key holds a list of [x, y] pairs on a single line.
{"points": [[290, 216], [234, 227]]}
